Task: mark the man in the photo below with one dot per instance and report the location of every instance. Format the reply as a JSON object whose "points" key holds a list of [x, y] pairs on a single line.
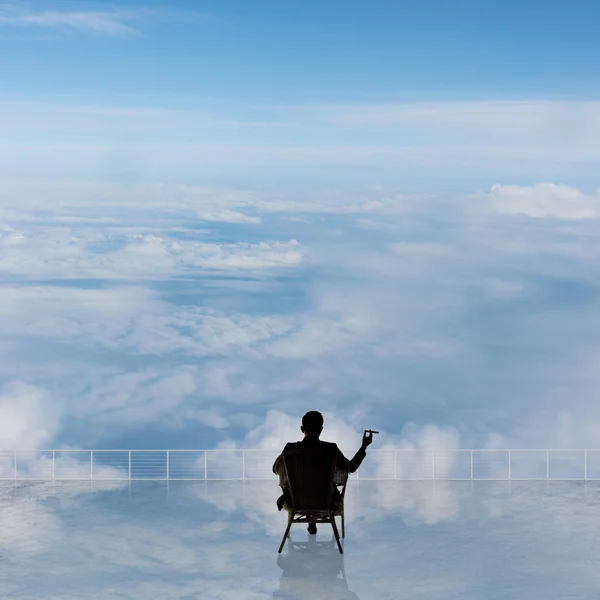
{"points": [[312, 426]]}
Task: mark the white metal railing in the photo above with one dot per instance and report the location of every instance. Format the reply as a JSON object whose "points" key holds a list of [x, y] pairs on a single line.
{"points": [[208, 465]]}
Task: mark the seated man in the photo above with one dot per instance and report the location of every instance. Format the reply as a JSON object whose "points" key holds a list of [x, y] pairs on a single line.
{"points": [[312, 426]]}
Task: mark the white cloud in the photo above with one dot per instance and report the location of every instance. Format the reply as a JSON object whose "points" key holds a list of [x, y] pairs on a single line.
{"points": [[102, 20], [134, 321], [502, 289], [114, 23], [68, 254], [544, 200], [70, 313], [456, 139], [391, 317], [33, 118], [133, 398], [29, 418], [416, 250], [228, 216], [512, 114], [161, 205]]}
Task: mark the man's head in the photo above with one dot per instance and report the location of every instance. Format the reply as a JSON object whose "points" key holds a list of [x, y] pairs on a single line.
{"points": [[312, 423]]}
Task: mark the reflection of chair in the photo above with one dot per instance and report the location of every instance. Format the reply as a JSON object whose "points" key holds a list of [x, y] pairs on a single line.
{"points": [[310, 475], [313, 570]]}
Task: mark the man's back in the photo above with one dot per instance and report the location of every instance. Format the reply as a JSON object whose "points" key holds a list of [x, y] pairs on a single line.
{"points": [[342, 463]]}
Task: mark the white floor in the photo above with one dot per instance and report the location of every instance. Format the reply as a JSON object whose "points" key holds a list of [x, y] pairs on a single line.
{"points": [[219, 540]]}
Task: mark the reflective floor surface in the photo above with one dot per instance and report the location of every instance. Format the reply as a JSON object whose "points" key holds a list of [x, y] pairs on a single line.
{"points": [[219, 540]]}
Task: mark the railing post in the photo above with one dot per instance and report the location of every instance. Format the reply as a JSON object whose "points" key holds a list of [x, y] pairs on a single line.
{"points": [[130, 465], [471, 465], [547, 465], [433, 466], [509, 466], [168, 461], [53, 465], [585, 465], [91, 464]]}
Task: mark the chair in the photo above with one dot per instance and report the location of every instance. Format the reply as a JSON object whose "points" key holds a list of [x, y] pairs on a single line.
{"points": [[340, 480], [310, 475]]}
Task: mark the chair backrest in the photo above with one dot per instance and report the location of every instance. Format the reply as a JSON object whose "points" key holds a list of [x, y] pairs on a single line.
{"points": [[310, 473]]}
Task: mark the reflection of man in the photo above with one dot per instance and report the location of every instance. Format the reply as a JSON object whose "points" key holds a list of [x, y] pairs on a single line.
{"points": [[312, 426], [313, 570]]}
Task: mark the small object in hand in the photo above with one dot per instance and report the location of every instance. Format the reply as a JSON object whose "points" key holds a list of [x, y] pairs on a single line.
{"points": [[370, 431]]}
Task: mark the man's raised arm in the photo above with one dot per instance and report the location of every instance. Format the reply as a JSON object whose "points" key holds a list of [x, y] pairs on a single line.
{"points": [[352, 465]]}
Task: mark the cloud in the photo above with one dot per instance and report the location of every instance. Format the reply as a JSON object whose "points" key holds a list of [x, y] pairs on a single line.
{"points": [[101, 20], [113, 23], [450, 316], [110, 120], [514, 114], [67, 254], [544, 201], [134, 398], [228, 216], [385, 142], [134, 320], [29, 419], [70, 313], [414, 250]]}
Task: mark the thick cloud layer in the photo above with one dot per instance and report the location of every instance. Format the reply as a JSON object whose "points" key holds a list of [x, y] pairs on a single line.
{"points": [[157, 316]]}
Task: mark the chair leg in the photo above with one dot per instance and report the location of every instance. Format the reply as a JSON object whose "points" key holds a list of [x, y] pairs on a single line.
{"points": [[337, 535], [343, 525], [287, 532]]}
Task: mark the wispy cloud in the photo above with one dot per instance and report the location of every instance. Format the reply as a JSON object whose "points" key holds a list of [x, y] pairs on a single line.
{"points": [[486, 140], [105, 21], [515, 114]]}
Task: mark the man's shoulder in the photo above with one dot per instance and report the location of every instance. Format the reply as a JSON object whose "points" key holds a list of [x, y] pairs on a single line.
{"points": [[320, 444], [292, 446]]}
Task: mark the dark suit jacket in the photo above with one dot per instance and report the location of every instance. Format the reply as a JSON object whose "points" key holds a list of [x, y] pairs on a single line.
{"points": [[343, 465]]}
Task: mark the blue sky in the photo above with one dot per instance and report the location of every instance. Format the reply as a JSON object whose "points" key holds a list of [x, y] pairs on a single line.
{"points": [[311, 51], [215, 216], [384, 92]]}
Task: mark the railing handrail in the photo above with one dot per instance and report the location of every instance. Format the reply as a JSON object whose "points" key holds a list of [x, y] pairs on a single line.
{"points": [[23, 451], [490, 464]]}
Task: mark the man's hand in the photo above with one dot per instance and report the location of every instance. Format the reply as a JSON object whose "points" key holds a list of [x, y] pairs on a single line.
{"points": [[367, 438]]}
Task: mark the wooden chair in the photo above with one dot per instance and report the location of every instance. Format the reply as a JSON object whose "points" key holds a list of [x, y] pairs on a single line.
{"points": [[340, 479], [310, 476]]}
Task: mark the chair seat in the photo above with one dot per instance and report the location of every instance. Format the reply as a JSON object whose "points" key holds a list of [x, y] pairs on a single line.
{"points": [[338, 509]]}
